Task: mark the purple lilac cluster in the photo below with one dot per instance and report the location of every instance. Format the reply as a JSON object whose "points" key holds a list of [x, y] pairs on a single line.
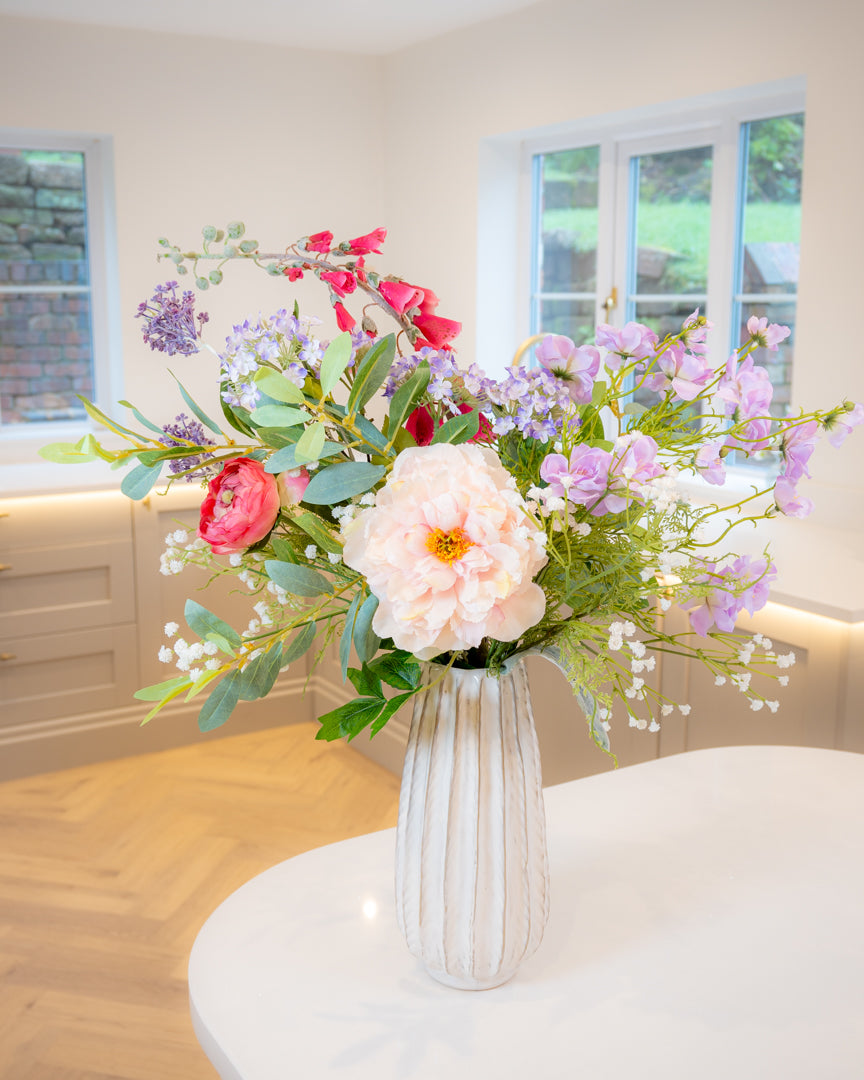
{"points": [[169, 320], [741, 586], [185, 430], [533, 402]]}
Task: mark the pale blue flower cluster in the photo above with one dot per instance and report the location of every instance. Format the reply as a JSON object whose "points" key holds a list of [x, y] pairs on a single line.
{"points": [[267, 342]]}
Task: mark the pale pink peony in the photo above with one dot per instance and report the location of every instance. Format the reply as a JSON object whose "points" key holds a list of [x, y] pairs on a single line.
{"points": [[449, 552]]}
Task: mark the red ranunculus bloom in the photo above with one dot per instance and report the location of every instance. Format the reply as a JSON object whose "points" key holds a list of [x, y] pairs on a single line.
{"points": [[319, 241], [340, 281], [421, 426], [344, 319], [240, 508], [368, 244]]}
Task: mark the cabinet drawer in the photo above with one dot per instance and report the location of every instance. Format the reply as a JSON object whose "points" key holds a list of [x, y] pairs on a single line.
{"points": [[56, 675], [48, 590]]}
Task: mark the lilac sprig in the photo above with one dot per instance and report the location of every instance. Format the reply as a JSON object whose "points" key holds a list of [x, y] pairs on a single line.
{"points": [[170, 320], [182, 432]]}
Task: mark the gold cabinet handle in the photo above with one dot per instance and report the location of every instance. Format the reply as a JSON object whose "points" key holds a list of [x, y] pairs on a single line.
{"points": [[5, 566], [8, 656], [4, 513]]}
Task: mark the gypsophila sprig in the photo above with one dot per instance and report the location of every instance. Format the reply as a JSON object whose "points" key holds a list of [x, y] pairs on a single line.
{"points": [[480, 518]]}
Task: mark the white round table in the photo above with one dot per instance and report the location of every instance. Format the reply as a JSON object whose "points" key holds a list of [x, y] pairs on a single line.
{"points": [[706, 925]]}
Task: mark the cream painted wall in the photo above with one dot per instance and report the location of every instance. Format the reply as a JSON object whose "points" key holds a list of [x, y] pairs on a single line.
{"points": [[562, 61], [204, 131]]}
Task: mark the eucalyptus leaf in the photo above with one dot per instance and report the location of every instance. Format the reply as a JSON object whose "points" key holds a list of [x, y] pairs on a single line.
{"points": [[257, 678], [372, 372], [278, 387], [334, 362], [458, 429], [65, 454], [315, 528], [286, 458], [139, 481], [95, 413], [278, 416], [238, 418], [310, 444], [158, 691], [141, 418], [348, 634], [336, 483], [406, 397], [219, 706], [196, 409], [366, 641], [297, 580], [204, 622], [300, 645]]}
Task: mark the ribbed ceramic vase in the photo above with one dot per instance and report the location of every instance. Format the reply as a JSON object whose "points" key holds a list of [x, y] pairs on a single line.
{"points": [[472, 874]]}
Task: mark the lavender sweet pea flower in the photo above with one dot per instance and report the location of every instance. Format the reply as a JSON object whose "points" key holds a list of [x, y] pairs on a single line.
{"points": [[756, 575], [583, 479], [710, 464], [694, 331], [766, 336], [685, 374], [841, 426], [789, 501], [632, 342], [751, 435], [747, 391], [632, 464], [799, 442], [742, 586], [576, 367]]}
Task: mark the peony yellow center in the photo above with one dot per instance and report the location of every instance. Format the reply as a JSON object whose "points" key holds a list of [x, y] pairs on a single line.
{"points": [[448, 546]]}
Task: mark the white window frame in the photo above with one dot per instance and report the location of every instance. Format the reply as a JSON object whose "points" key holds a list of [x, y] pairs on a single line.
{"points": [[18, 442], [719, 127], [505, 206]]}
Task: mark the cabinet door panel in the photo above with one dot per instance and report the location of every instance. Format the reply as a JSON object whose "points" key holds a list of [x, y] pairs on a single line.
{"points": [[46, 590], [63, 675]]}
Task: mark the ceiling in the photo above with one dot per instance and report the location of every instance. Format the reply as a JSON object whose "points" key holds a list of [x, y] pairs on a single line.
{"points": [[373, 27]]}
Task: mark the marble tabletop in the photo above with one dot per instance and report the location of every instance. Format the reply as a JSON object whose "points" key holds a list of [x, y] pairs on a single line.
{"points": [[705, 922]]}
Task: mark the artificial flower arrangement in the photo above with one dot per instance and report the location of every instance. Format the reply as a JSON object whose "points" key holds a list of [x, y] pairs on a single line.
{"points": [[481, 519]]}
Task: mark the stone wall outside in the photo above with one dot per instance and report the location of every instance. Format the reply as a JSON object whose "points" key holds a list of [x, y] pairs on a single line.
{"points": [[45, 340]]}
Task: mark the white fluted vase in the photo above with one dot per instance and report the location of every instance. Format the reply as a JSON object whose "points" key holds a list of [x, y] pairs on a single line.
{"points": [[472, 874]]}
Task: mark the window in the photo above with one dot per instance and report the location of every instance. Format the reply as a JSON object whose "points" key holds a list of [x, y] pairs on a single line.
{"points": [[57, 303], [704, 213]]}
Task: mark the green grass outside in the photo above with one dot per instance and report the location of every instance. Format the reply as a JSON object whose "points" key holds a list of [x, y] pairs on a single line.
{"points": [[682, 228]]}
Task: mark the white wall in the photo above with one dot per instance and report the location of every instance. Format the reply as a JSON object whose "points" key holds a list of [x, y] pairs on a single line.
{"points": [[204, 131], [562, 61]]}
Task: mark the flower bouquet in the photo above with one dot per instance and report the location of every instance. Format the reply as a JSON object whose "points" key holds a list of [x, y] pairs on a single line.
{"points": [[368, 490], [440, 525]]}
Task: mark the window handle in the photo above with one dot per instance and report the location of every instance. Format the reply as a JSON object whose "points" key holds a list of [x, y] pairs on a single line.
{"points": [[611, 301]]}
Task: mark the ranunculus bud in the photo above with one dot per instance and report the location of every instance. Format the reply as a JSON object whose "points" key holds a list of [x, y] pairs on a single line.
{"points": [[291, 485]]}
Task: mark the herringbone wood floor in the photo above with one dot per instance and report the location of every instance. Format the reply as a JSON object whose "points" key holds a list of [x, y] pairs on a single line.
{"points": [[107, 873]]}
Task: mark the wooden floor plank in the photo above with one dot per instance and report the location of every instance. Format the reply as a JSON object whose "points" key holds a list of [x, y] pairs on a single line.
{"points": [[107, 873]]}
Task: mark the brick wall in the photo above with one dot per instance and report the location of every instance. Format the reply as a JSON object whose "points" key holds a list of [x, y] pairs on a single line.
{"points": [[45, 346]]}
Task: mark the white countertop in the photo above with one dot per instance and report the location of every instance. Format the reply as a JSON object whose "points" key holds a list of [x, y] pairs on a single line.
{"points": [[706, 922]]}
